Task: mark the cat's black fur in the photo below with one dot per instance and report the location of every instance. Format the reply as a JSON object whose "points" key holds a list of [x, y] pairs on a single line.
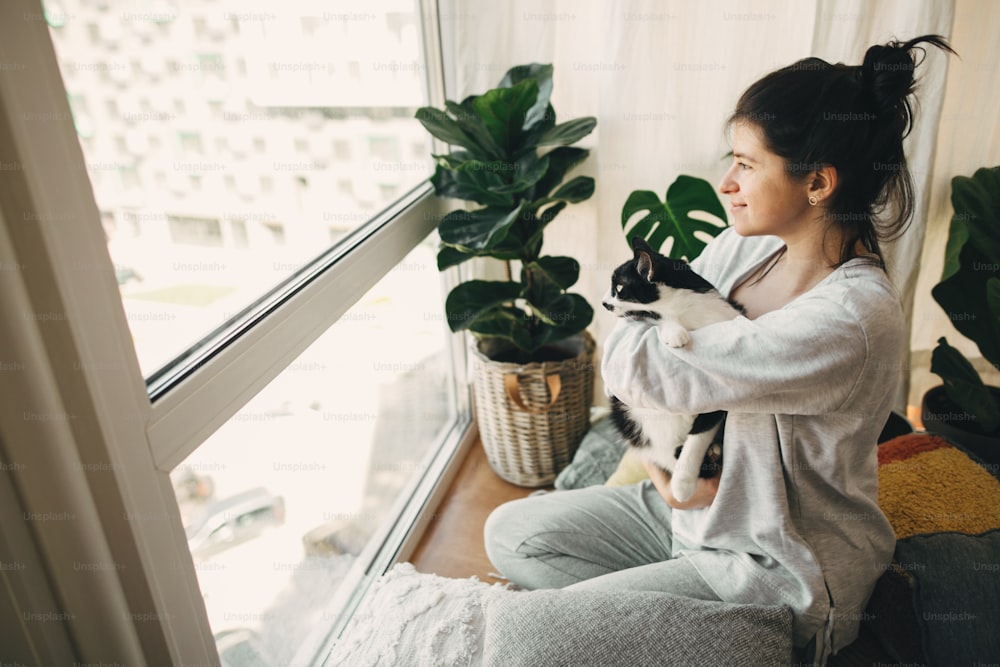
{"points": [[669, 293]]}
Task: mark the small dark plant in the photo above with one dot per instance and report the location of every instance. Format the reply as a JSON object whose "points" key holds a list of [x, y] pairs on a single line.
{"points": [[969, 292], [500, 165]]}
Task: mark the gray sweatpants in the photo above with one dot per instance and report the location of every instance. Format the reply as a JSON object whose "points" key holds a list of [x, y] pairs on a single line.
{"points": [[597, 538]]}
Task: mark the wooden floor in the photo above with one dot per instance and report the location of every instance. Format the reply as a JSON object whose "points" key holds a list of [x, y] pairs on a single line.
{"points": [[452, 545]]}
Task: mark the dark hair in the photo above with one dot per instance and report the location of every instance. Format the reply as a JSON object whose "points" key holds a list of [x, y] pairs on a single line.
{"points": [[853, 118]]}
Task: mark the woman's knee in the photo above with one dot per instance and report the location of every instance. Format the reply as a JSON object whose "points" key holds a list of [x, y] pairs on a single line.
{"points": [[503, 532]]}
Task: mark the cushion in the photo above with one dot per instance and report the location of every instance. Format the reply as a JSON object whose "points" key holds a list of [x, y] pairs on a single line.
{"points": [[629, 471], [958, 594], [581, 627], [409, 618], [926, 485], [595, 459], [930, 605]]}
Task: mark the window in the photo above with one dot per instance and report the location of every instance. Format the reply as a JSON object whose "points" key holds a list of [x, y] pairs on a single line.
{"points": [[220, 362], [292, 109], [313, 469]]}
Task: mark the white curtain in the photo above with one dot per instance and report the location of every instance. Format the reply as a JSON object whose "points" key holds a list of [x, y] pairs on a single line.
{"points": [[662, 76]]}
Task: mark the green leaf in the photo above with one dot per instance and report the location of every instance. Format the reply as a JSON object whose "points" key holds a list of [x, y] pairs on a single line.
{"points": [[976, 201], [444, 128], [502, 111], [964, 298], [963, 385], [546, 216], [569, 132], [474, 127], [481, 185], [993, 302], [525, 173], [575, 190], [505, 322], [448, 257], [535, 132], [958, 236], [545, 281], [453, 160], [561, 160], [972, 260], [476, 231], [560, 271], [672, 218], [542, 75], [475, 299], [523, 239], [571, 314]]}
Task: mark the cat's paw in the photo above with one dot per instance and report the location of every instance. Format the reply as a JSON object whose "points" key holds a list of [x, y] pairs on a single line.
{"points": [[675, 336], [683, 487]]}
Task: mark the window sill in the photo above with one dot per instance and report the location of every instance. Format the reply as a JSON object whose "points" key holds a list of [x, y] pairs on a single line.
{"points": [[451, 544]]}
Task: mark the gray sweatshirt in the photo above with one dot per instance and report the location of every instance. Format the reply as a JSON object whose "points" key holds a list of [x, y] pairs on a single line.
{"points": [[808, 388]]}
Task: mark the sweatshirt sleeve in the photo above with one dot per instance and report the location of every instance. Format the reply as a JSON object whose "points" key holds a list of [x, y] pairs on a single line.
{"points": [[805, 358]]}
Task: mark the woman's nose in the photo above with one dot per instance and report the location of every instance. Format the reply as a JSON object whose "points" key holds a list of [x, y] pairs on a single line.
{"points": [[728, 185]]}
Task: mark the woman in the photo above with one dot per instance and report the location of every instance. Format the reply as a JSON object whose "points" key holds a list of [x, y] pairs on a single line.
{"points": [[808, 376]]}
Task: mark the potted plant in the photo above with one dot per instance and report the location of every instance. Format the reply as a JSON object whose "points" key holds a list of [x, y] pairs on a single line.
{"points": [[965, 409], [533, 359]]}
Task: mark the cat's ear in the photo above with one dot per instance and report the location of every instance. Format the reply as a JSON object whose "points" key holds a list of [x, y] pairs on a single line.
{"points": [[644, 264], [639, 243], [643, 257]]}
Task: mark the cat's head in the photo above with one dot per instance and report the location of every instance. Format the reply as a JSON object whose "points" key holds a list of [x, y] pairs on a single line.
{"points": [[646, 278]]}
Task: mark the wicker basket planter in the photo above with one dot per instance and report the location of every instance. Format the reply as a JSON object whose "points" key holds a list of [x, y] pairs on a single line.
{"points": [[533, 416]]}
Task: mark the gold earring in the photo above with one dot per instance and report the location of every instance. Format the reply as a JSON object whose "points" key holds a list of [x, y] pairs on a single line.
{"points": [[813, 201]]}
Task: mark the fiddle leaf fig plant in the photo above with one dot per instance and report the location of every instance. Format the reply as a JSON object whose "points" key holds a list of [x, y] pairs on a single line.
{"points": [[969, 292], [673, 217], [511, 159]]}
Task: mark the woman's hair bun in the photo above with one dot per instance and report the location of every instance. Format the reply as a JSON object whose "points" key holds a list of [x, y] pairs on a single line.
{"points": [[853, 118], [887, 75]]}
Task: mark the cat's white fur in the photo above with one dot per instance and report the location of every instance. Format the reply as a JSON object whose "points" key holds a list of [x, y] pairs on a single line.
{"points": [[681, 311]]}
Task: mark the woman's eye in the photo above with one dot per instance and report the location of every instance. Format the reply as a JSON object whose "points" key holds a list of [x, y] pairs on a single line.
{"points": [[743, 165]]}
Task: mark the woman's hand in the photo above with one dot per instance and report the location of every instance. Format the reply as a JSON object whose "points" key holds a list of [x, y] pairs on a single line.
{"points": [[703, 496]]}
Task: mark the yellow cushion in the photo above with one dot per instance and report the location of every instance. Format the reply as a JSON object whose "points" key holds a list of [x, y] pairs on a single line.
{"points": [[928, 486], [630, 470]]}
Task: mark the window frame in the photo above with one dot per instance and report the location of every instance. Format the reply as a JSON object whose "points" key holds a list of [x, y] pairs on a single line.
{"points": [[107, 459]]}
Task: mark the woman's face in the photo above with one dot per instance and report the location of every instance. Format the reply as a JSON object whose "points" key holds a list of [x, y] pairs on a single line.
{"points": [[764, 199]]}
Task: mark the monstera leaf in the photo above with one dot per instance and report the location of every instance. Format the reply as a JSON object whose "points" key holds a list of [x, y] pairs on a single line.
{"points": [[672, 218]]}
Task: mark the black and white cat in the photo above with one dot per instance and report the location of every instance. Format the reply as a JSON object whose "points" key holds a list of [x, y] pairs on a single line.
{"points": [[667, 291]]}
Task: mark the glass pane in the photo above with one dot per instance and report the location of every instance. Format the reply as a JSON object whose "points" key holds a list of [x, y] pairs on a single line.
{"points": [[229, 143], [280, 502]]}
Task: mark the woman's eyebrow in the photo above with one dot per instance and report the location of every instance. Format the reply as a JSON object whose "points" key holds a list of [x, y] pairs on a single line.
{"points": [[743, 156]]}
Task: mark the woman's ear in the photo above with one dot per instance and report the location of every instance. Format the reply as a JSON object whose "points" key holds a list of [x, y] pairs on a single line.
{"points": [[823, 182]]}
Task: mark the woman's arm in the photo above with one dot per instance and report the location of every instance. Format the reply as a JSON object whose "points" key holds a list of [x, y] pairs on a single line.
{"points": [[703, 496], [801, 360]]}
